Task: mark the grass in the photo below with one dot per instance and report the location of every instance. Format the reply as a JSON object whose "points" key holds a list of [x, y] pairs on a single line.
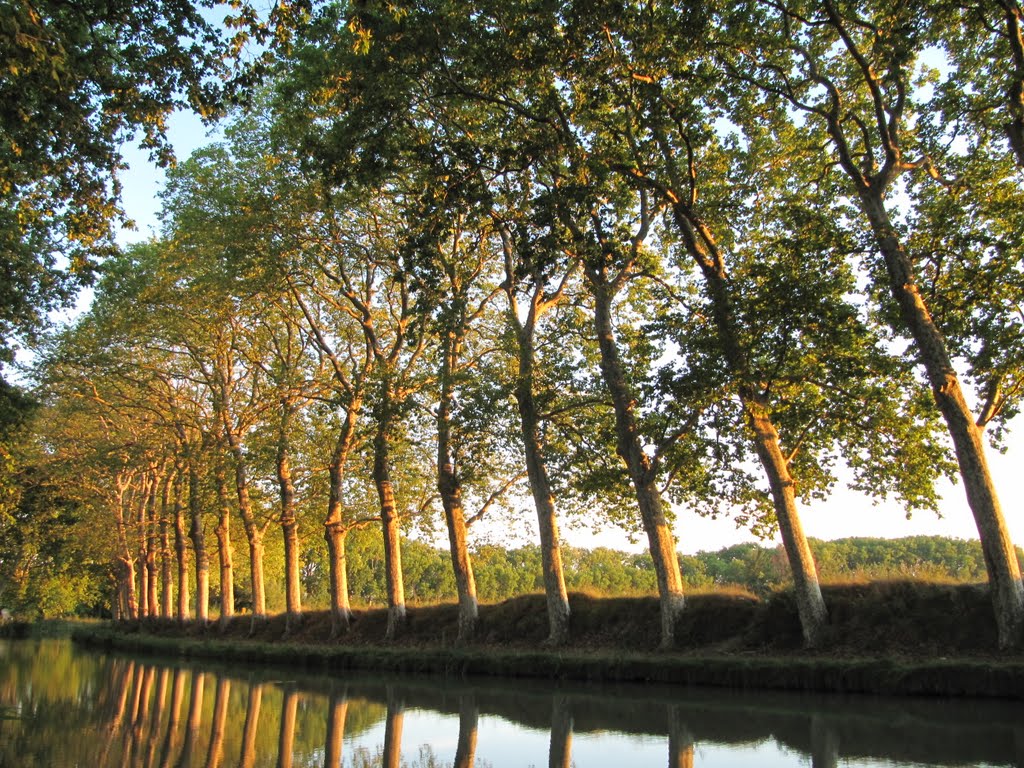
{"points": [[895, 636]]}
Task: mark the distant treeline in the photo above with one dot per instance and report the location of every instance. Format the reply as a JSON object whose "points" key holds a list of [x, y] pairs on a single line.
{"points": [[759, 568]]}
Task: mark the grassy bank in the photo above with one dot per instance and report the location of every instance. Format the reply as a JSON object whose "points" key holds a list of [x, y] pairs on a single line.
{"points": [[884, 637]]}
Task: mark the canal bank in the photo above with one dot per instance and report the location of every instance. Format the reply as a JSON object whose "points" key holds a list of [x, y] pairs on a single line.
{"points": [[889, 639]]}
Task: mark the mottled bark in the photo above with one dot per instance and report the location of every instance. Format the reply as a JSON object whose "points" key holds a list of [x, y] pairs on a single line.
{"points": [[166, 572], [1013, 17], [224, 552], [1000, 557], [450, 489], [180, 550], [641, 466], [289, 529], [389, 516], [197, 533], [253, 532], [335, 527], [555, 593]]}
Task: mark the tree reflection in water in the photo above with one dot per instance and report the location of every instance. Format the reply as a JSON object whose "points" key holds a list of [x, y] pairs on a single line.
{"points": [[63, 708]]}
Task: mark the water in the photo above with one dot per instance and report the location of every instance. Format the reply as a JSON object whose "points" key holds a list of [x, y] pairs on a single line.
{"points": [[61, 706]]}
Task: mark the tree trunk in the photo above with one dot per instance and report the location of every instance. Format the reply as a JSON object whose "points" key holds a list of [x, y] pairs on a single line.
{"points": [[450, 488], [810, 604], [642, 469], [289, 529], [197, 534], [1000, 557], [252, 531], [389, 517], [259, 595], [335, 528], [166, 577], [152, 548], [555, 593], [180, 551], [227, 573]]}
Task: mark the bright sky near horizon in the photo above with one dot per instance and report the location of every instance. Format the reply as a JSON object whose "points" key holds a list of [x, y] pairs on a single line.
{"points": [[845, 514]]}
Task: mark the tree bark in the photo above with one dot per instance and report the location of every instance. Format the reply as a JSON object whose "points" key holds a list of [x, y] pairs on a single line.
{"points": [[224, 552], [555, 593], [180, 551], [335, 527], [197, 534], [1000, 556], [450, 488], [289, 527], [389, 515], [166, 577], [642, 469], [252, 530]]}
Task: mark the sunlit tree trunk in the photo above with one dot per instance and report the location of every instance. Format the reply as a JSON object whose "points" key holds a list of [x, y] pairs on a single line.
{"points": [[127, 560], [556, 596], [166, 577], [643, 470], [289, 524], [197, 533], [389, 514], [450, 488], [335, 528], [180, 550], [227, 573]]}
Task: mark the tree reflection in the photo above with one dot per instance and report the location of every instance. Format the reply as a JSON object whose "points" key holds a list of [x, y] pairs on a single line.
{"points": [[249, 731], [170, 741], [680, 740], [286, 740], [469, 716], [220, 711], [338, 709], [560, 751]]}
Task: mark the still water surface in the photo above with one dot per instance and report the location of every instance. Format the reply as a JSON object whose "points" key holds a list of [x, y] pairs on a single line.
{"points": [[61, 706]]}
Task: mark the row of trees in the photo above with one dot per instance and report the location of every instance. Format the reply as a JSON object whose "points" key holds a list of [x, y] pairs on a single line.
{"points": [[606, 255]]}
